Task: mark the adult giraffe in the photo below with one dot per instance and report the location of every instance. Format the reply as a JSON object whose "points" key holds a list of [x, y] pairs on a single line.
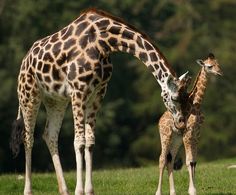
{"points": [[73, 65]]}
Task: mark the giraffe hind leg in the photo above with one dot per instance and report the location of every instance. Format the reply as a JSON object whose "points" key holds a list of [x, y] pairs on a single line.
{"points": [[29, 112], [191, 165], [191, 139], [55, 114], [89, 144], [90, 123], [79, 139]]}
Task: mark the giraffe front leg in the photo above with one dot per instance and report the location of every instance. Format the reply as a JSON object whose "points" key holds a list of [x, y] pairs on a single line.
{"points": [[55, 114], [191, 166], [162, 164], [90, 142], [191, 169], [90, 123], [79, 146], [79, 142]]}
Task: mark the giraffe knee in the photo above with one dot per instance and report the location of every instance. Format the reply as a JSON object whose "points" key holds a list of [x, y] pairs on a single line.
{"points": [[89, 147], [79, 145], [81, 148], [89, 135], [90, 143], [191, 163], [162, 163]]}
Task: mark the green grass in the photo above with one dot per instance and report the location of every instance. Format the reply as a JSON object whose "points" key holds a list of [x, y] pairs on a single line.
{"points": [[211, 178]]}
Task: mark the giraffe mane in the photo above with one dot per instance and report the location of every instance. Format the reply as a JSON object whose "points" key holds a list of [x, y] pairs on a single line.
{"points": [[145, 36], [195, 84]]}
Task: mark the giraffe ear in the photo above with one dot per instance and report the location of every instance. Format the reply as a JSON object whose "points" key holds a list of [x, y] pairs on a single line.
{"points": [[200, 62]]}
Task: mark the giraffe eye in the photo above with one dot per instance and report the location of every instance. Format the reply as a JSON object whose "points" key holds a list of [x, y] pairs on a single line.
{"points": [[209, 65], [175, 98]]}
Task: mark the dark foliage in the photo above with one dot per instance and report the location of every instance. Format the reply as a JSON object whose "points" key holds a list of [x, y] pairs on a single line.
{"points": [[126, 133]]}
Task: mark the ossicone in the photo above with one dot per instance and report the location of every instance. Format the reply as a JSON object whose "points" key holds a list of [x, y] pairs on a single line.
{"points": [[211, 56]]}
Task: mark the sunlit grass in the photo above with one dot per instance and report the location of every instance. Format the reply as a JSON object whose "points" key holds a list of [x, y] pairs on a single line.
{"points": [[211, 178]]}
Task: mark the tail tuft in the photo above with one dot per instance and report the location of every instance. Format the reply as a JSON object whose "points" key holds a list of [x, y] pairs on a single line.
{"points": [[178, 164], [17, 136]]}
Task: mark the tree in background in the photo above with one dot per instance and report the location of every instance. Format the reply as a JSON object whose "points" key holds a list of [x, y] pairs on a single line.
{"points": [[126, 132]]}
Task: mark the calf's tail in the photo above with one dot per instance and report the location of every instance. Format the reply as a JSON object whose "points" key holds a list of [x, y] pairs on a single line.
{"points": [[178, 164]]}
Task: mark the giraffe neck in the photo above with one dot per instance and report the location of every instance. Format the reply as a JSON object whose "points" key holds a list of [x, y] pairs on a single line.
{"points": [[198, 90], [110, 34]]}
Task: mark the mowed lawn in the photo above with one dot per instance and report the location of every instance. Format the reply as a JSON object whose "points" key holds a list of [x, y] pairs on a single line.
{"points": [[212, 178]]}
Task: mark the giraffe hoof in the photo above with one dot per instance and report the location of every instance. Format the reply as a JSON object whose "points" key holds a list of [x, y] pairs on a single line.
{"points": [[172, 193], [158, 193], [192, 192], [64, 193], [28, 193], [80, 192], [90, 192]]}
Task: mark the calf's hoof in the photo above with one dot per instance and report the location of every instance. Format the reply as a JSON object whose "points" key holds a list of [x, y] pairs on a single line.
{"points": [[90, 192]]}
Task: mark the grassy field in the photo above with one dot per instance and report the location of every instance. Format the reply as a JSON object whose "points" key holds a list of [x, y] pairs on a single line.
{"points": [[211, 178]]}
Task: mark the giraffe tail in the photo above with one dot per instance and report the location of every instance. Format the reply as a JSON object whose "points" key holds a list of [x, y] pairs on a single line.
{"points": [[16, 138]]}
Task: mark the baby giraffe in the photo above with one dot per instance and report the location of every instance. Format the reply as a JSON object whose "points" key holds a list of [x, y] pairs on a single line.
{"points": [[171, 136]]}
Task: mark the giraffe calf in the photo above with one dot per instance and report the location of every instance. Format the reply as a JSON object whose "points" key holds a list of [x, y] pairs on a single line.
{"points": [[173, 137]]}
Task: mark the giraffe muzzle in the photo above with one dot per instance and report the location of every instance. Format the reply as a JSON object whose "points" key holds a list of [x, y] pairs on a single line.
{"points": [[180, 123]]}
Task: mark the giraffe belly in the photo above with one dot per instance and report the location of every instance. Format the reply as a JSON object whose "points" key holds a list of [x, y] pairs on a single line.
{"points": [[58, 90], [176, 142]]}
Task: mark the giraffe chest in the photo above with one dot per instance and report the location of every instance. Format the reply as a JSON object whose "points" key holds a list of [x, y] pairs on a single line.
{"points": [[195, 121], [191, 134]]}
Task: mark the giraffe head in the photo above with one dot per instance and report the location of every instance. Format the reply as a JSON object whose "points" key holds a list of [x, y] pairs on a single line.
{"points": [[173, 97], [210, 65]]}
